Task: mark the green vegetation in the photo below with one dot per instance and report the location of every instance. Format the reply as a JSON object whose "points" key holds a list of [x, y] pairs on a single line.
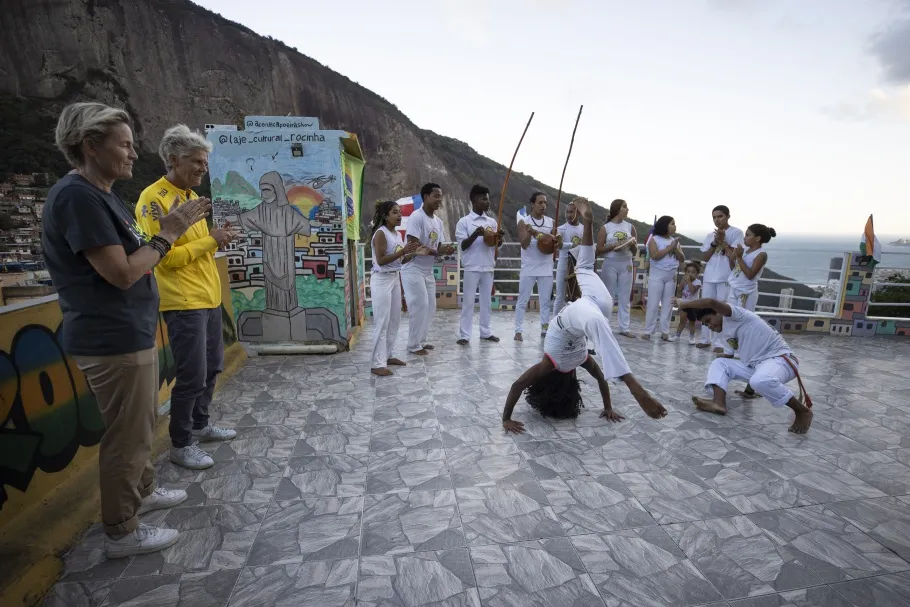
{"points": [[892, 295]]}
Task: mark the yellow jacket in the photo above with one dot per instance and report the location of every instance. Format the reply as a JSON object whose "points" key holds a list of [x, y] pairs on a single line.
{"points": [[187, 276]]}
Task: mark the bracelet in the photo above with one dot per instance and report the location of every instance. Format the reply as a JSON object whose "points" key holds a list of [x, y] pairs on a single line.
{"points": [[160, 244]]}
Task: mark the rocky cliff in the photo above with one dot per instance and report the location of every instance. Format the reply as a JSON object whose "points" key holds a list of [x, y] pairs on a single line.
{"points": [[169, 61]]}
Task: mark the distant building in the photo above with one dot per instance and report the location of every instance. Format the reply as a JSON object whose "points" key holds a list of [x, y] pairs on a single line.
{"points": [[21, 206]]}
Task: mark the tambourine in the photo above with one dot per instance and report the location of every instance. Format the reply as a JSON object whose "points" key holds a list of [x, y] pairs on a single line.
{"points": [[489, 236], [546, 243]]}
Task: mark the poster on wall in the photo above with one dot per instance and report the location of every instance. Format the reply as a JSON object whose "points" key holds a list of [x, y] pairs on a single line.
{"points": [[353, 192], [283, 189]]}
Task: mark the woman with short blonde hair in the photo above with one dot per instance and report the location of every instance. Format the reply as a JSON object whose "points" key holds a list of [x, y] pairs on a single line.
{"points": [[100, 263]]}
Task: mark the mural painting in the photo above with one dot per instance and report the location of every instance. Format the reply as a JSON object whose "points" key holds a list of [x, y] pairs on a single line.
{"points": [[284, 189], [47, 411]]}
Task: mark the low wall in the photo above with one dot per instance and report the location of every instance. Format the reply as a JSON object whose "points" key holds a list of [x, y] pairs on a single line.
{"points": [[50, 428]]}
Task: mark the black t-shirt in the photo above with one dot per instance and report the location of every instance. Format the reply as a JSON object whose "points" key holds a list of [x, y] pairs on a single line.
{"points": [[99, 319]]}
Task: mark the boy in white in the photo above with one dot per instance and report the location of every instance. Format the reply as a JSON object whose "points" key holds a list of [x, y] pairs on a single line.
{"points": [[417, 275], [717, 270], [552, 386], [478, 258], [571, 232], [766, 361], [536, 267]]}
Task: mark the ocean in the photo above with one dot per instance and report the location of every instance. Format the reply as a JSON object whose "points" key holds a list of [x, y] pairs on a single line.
{"points": [[806, 257]]}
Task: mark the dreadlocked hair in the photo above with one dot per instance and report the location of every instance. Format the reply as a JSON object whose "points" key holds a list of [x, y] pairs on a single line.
{"points": [[556, 395], [381, 213]]}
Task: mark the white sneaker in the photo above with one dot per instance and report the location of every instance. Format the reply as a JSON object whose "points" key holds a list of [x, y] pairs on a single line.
{"points": [[213, 433], [192, 457], [143, 540], [672, 338], [162, 498], [692, 341]]}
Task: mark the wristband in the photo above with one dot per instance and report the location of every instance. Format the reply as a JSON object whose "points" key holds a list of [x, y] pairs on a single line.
{"points": [[160, 244]]}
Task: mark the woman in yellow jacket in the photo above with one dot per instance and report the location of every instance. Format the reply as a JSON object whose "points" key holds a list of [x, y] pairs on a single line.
{"points": [[190, 291]]}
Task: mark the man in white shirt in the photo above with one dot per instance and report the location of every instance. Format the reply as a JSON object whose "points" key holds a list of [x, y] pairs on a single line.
{"points": [[478, 236], [536, 266], [571, 232], [718, 268], [765, 360], [425, 228]]}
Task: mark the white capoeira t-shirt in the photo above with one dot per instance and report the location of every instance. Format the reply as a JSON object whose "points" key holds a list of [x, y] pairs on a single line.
{"points": [[754, 339]]}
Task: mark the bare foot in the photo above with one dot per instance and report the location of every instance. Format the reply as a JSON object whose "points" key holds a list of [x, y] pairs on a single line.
{"points": [[723, 355], [382, 372], [396, 362], [702, 346], [650, 405], [518, 337], [645, 336], [462, 342], [428, 347], [718, 350], [420, 352], [706, 404], [492, 338], [802, 422], [628, 334], [747, 394]]}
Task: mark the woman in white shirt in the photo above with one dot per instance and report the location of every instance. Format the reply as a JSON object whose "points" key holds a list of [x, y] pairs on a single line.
{"points": [[666, 256], [617, 242], [385, 286], [748, 265]]}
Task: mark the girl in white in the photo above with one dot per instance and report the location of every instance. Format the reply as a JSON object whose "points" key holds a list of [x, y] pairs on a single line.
{"points": [[617, 241], [717, 271], [552, 385], [691, 289], [666, 256], [571, 232], [748, 265], [536, 267], [388, 251]]}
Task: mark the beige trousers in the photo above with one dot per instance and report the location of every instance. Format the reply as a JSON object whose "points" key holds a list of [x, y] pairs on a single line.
{"points": [[126, 388]]}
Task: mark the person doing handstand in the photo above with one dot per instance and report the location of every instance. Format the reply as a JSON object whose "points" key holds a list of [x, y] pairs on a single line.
{"points": [[765, 360], [552, 385]]}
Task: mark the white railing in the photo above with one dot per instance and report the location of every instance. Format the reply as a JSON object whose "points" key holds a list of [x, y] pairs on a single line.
{"points": [[827, 304], [879, 283]]}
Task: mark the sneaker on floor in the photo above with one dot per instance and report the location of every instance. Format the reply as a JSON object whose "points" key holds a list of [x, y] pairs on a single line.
{"points": [[192, 457], [692, 341], [213, 433], [162, 498], [143, 540]]}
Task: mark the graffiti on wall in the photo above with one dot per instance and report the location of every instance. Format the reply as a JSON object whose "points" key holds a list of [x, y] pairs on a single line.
{"points": [[47, 411], [284, 191]]}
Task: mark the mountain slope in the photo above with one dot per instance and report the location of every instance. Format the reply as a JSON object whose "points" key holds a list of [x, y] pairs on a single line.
{"points": [[170, 61]]}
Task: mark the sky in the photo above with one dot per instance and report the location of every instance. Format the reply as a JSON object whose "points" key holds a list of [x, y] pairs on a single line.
{"points": [[794, 113]]}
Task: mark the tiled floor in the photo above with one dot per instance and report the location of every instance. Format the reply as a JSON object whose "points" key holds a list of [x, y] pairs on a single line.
{"points": [[345, 489]]}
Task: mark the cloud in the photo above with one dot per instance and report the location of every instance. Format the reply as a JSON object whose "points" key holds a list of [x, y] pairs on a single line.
{"points": [[891, 105], [891, 48]]}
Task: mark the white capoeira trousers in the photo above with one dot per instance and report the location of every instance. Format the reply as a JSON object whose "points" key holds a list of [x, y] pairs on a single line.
{"points": [[718, 291], [617, 275], [420, 293], [661, 288], [470, 283], [544, 294], [769, 378], [385, 291], [747, 301]]}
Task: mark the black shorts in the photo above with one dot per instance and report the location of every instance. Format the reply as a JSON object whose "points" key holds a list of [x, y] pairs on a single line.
{"points": [[690, 314]]}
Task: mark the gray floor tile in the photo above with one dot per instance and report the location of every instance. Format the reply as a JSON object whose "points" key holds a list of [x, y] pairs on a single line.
{"points": [[273, 442], [832, 548], [408, 469], [405, 434], [321, 439], [322, 583], [676, 495], [443, 578], [886, 519], [541, 573], [643, 567], [210, 589], [78, 594], [883, 591], [487, 465], [308, 530], [588, 504], [819, 596], [410, 521], [329, 475], [879, 469]]}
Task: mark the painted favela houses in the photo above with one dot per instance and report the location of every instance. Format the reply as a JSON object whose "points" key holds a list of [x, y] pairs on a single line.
{"points": [[294, 195]]}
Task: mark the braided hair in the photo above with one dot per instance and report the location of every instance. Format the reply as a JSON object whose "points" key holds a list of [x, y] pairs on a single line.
{"points": [[381, 213], [556, 395]]}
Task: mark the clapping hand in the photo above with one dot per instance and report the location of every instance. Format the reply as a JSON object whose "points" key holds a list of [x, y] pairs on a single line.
{"points": [[446, 249], [584, 208], [738, 252], [176, 221], [411, 247]]}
